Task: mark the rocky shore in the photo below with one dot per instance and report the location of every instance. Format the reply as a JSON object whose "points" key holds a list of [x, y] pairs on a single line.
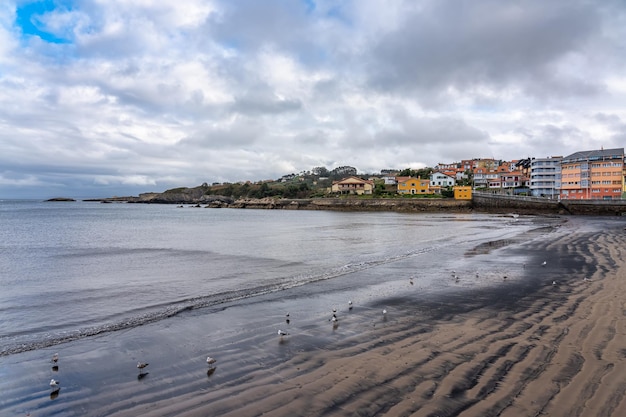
{"points": [[481, 202]]}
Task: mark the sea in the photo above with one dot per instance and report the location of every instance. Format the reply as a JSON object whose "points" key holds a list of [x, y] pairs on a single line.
{"points": [[75, 270]]}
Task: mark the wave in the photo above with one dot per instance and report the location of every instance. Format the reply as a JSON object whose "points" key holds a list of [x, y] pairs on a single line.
{"points": [[154, 313]]}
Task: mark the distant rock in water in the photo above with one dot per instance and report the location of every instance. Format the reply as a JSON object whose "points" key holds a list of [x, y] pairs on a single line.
{"points": [[60, 199]]}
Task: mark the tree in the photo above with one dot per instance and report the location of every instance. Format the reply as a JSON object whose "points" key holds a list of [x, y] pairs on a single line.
{"points": [[416, 173], [342, 172], [320, 172]]}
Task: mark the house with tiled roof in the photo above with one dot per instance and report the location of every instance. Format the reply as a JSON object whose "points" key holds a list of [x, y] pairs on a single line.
{"points": [[352, 185], [440, 179], [410, 185]]}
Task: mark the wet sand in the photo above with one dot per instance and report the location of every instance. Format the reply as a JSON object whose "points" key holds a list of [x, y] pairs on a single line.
{"points": [[518, 346], [558, 351]]}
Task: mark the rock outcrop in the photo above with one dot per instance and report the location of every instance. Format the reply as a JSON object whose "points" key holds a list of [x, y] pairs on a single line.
{"points": [[60, 199]]}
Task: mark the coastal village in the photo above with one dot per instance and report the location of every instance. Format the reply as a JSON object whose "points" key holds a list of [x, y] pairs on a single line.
{"points": [[584, 175]]}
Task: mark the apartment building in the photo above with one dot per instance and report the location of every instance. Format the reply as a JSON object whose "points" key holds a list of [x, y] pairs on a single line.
{"points": [[593, 175], [545, 177]]}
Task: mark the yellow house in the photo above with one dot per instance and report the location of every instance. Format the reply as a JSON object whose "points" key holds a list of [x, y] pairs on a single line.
{"points": [[352, 185], [410, 185], [463, 192]]}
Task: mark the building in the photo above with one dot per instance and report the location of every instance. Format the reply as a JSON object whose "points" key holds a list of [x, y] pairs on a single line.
{"points": [[440, 179], [484, 176], [352, 185], [410, 185], [545, 177], [593, 175], [463, 192], [513, 182]]}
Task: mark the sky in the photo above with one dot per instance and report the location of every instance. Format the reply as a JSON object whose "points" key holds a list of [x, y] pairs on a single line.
{"points": [[102, 98]]}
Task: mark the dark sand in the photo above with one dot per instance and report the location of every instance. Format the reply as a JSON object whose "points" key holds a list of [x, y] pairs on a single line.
{"points": [[518, 346]]}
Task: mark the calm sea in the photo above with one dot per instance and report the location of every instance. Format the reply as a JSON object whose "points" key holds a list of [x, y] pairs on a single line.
{"points": [[78, 269]]}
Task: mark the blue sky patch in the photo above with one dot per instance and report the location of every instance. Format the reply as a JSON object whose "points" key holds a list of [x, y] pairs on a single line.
{"points": [[28, 18]]}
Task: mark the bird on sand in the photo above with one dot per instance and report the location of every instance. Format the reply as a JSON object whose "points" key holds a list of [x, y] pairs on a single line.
{"points": [[349, 304], [544, 263], [411, 281], [54, 384], [141, 366], [210, 361], [282, 333], [384, 311], [55, 358], [553, 282]]}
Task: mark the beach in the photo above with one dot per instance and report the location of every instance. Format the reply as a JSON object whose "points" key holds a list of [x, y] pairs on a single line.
{"points": [[516, 338]]}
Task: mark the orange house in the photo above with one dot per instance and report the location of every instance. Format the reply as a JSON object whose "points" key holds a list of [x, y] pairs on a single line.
{"points": [[410, 185]]}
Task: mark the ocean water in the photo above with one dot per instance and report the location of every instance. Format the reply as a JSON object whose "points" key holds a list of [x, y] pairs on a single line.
{"points": [[75, 270]]}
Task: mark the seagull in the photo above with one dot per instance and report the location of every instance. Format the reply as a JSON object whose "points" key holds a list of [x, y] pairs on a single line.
{"points": [[210, 361], [411, 281], [553, 282], [586, 279], [544, 263], [384, 311], [287, 318], [282, 333], [349, 304], [55, 358], [54, 384], [504, 277], [141, 366]]}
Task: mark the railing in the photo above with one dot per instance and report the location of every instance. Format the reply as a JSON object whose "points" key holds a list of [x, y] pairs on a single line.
{"points": [[512, 197]]}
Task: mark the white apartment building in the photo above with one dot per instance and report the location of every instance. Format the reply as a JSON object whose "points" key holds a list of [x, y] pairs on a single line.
{"points": [[545, 177]]}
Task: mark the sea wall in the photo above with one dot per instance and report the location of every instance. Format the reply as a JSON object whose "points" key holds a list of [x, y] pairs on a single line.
{"points": [[595, 207], [497, 203], [534, 205], [358, 204]]}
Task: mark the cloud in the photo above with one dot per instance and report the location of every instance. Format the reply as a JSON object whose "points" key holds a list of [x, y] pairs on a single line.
{"points": [[102, 97]]}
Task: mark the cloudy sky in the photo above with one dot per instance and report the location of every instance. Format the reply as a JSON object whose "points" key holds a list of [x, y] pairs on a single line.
{"points": [[118, 97]]}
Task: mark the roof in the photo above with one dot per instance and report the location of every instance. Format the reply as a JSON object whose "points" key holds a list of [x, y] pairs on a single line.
{"points": [[353, 180], [595, 155]]}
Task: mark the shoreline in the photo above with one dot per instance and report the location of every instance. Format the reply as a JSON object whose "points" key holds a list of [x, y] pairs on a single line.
{"points": [[484, 346], [480, 203], [547, 351]]}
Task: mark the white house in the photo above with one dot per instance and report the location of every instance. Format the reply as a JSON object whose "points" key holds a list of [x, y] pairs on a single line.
{"points": [[440, 179]]}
